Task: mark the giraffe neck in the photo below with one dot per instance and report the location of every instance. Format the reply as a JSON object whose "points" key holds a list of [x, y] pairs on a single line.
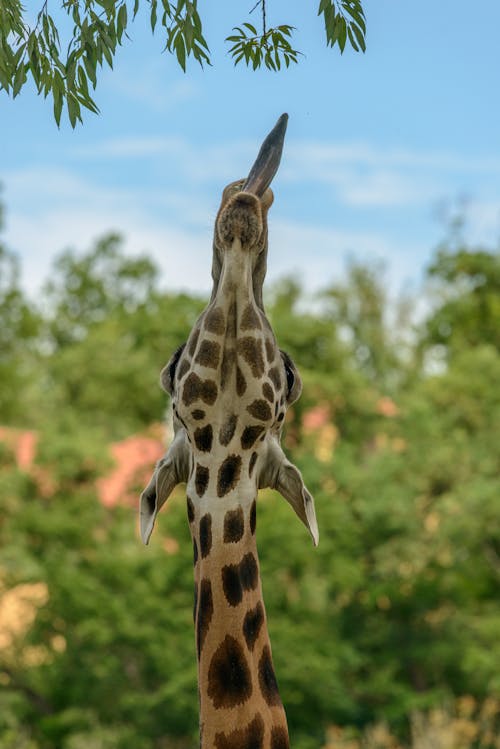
{"points": [[240, 705]]}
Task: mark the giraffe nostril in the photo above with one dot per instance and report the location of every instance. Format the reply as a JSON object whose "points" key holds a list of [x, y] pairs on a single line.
{"points": [[246, 199]]}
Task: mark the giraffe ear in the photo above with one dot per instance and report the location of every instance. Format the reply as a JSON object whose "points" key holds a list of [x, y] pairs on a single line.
{"points": [[168, 372], [171, 470], [280, 474]]}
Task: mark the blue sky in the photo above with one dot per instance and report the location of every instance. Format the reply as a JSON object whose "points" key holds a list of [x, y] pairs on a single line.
{"points": [[375, 142]]}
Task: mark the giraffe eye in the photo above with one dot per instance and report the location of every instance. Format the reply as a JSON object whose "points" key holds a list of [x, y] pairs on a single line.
{"points": [[293, 381]]}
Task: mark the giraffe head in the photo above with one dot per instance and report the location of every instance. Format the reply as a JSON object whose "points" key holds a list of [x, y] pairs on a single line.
{"points": [[242, 216], [230, 384]]}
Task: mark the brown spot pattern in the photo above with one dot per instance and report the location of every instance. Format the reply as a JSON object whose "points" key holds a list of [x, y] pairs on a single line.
{"points": [[231, 584], [253, 460], [268, 392], [227, 430], [275, 377], [198, 414], [196, 388], [193, 341], [201, 479], [270, 350], [190, 510], [279, 738], [251, 350], [214, 321], [229, 474], [251, 737], [234, 525], [249, 572], [250, 319], [260, 409], [252, 624], [239, 577], [203, 438], [229, 679], [253, 516], [204, 613], [267, 679], [206, 534], [250, 435], [241, 383], [208, 354], [183, 369]]}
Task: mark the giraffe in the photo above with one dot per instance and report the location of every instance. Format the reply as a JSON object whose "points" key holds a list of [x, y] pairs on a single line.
{"points": [[230, 387]]}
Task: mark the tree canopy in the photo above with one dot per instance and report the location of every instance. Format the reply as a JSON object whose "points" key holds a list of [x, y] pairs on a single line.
{"points": [[62, 52], [385, 637]]}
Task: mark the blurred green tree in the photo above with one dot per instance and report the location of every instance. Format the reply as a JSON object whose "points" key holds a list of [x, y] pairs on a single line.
{"points": [[395, 614], [19, 328], [467, 286]]}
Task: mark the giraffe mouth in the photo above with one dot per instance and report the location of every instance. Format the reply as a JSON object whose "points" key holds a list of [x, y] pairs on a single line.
{"points": [[267, 162]]}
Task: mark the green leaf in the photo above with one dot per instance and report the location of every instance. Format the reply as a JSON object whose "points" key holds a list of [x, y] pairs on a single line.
{"points": [[5, 80], [359, 36], [154, 14], [356, 12], [73, 109], [19, 79], [352, 39], [251, 28], [90, 69], [180, 51], [58, 104], [57, 84], [45, 26], [342, 37], [189, 32], [82, 80], [121, 21], [18, 55]]}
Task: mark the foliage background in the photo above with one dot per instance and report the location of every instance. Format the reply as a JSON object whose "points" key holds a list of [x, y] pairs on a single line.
{"points": [[386, 636]]}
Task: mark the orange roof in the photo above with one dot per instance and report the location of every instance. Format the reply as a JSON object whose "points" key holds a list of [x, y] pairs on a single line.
{"points": [[134, 460], [23, 445]]}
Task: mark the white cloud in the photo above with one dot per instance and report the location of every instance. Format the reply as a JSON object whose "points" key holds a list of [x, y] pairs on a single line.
{"points": [[365, 175], [360, 174], [215, 164], [318, 254], [52, 209]]}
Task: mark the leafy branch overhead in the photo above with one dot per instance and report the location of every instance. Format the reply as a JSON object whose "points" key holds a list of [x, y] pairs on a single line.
{"points": [[63, 59]]}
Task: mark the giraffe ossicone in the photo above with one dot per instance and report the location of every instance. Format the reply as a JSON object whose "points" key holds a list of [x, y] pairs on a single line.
{"points": [[230, 386]]}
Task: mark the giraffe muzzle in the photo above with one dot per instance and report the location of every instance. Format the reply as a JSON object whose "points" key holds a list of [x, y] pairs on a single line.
{"points": [[241, 219], [267, 162]]}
